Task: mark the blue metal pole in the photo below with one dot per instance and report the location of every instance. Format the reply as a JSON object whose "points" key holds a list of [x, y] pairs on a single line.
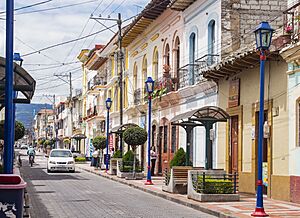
{"points": [[259, 210], [9, 122], [149, 181], [107, 141]]}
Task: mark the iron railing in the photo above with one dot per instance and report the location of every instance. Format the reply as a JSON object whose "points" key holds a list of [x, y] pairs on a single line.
{"points": [[96, 80], [215, 183], [127, 166], [137, 96], [167, 175], [192, 73], [291, 22]]}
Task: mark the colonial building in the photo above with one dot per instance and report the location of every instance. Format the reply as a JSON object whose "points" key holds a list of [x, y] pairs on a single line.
{"points": [[44, 124]]}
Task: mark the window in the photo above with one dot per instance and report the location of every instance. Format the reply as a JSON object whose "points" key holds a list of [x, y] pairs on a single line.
{"points": [[211, 41], [135, 69], [173, 145], [144, 69], [155, 64], [177, 59], [192, 48], [167, 55], [165, 139]]}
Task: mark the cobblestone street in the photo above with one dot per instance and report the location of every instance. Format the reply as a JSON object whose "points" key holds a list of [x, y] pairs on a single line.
{"points": [[86, 195]]}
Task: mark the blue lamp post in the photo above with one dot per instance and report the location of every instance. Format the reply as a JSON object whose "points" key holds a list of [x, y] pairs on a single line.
{"points": [[149, 87], [263, 36], [108, 103]]}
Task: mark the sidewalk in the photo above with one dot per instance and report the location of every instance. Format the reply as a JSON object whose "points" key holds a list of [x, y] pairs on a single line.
{"points": [[243, 208]]}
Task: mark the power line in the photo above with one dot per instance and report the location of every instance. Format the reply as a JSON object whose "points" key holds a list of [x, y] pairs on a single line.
{"points": [[52, 67], [28, 6], [58, 7]]}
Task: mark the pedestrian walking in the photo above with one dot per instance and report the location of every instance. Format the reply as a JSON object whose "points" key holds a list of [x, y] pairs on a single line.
{"points": [[95, 159], [153, 157]]}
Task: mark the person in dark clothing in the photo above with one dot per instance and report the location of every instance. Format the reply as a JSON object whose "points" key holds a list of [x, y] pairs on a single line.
{"points": [[153, 157]]}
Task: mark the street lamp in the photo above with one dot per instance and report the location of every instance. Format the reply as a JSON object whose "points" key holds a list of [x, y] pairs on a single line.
{"points": [[149, 87], [108, 103], [263, 36], [17, 57]]}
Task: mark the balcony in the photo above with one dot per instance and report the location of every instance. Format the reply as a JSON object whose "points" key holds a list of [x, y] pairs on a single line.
{"points": [[91, 112], [137, 96], [96, 80], [291, 25], [191, 74]]}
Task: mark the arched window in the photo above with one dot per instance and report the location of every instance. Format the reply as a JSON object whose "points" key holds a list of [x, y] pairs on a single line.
{"points": [[176, 59], [167, 55], [155, 64], [192, 56], [144, 70], [211, 41], [135, 70]]}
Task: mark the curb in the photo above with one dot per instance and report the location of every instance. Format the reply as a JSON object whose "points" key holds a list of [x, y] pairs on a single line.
{"points": [[170, 198]]}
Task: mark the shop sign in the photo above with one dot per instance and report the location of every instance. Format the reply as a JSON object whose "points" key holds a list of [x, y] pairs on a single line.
{"points": [[234, 93]]}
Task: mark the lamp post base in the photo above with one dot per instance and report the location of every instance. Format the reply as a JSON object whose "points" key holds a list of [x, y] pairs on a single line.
{"points": [[259, 212], [148, 182]]}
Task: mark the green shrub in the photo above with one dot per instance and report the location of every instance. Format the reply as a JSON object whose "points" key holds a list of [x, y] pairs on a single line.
{"points": [[117, 154], [128, 156], [179, 158], [130, 169], [80, 159], [215, 186], [19, 130]]}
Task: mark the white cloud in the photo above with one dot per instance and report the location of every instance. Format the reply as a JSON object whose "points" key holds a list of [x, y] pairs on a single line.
{"points": [[39, 30]]}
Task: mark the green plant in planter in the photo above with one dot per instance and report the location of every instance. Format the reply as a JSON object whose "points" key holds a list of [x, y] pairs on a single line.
{"points": [[117, 154], [215, 186], [99, 142], [135, 136], [19, 130], [179, 158]]}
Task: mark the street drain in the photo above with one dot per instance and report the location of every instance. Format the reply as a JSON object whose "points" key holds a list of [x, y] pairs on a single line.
{"points": [[79, 200], [45, 192]]}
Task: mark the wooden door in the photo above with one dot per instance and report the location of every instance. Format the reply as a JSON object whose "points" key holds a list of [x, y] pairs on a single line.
{"points": [[234, 133], [165, 150], [159, 149]]}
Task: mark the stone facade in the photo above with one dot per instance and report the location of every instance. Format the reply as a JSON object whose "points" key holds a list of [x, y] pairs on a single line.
{"points": [[240, 18]]}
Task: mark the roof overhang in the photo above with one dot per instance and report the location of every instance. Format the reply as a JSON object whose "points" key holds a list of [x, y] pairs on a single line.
{"points": [[180, 5], [23, 83], [152, 11], [95, 61], [236, 63]]}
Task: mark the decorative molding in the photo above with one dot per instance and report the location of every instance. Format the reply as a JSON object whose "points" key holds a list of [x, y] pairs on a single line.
{"points": [[144, 46], [154, 37], [134, 53]]}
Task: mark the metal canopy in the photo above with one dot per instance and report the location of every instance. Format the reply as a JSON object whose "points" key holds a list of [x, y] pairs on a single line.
{"points": [[78, 136], [23, 82], [204, 114], [121, 128]]}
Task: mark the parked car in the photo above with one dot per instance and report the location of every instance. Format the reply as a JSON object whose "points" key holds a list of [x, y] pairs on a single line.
{"points": [[61, 160], [24, 146]]}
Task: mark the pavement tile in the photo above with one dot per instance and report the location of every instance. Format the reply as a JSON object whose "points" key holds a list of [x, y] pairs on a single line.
{"points": [[242, 209]]}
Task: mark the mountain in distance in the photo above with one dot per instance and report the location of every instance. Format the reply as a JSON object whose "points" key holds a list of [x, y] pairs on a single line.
{"points": [[25, 113]]}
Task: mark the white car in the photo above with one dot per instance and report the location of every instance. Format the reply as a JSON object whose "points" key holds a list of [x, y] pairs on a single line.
{"points": [[61, 160]]}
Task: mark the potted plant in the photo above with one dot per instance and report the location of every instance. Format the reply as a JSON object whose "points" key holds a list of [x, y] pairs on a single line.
{"points": [[19, 130], [135, 136], [99, 142]]}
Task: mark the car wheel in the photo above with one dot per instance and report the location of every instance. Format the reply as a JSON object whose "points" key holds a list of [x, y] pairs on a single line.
{"points": [[72, 171], [48, 171]]}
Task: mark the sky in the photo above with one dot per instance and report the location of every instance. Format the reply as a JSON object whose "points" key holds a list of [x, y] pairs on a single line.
{"points": [[38, 27]]}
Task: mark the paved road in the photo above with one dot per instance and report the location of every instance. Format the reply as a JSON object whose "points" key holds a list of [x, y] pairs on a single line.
{"points": [[82, 194]]}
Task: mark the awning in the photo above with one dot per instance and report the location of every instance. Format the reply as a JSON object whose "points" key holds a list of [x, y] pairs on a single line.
{"points": [[23, 82], [208, 113], [121, 128], [78, 136]]}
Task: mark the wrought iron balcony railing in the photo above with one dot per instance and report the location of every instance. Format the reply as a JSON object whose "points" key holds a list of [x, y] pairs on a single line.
{"points": [[96, 80], [137, 96], [191, 74]]}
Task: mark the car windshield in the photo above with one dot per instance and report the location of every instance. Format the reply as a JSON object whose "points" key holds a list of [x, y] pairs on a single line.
{"points": [[61, 154]]}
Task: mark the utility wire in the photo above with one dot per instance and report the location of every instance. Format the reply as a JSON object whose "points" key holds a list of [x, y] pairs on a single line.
{"points": [[28, 6], [56, 8]]}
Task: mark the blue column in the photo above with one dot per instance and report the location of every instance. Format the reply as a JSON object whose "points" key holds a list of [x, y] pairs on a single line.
{"points": [[149, 181], [9, 122], [259, 211], [107, 140]]}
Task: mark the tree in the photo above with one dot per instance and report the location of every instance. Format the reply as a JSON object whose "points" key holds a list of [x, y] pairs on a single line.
{"points": [[135, 136], [99, 142], [19, 130]]}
